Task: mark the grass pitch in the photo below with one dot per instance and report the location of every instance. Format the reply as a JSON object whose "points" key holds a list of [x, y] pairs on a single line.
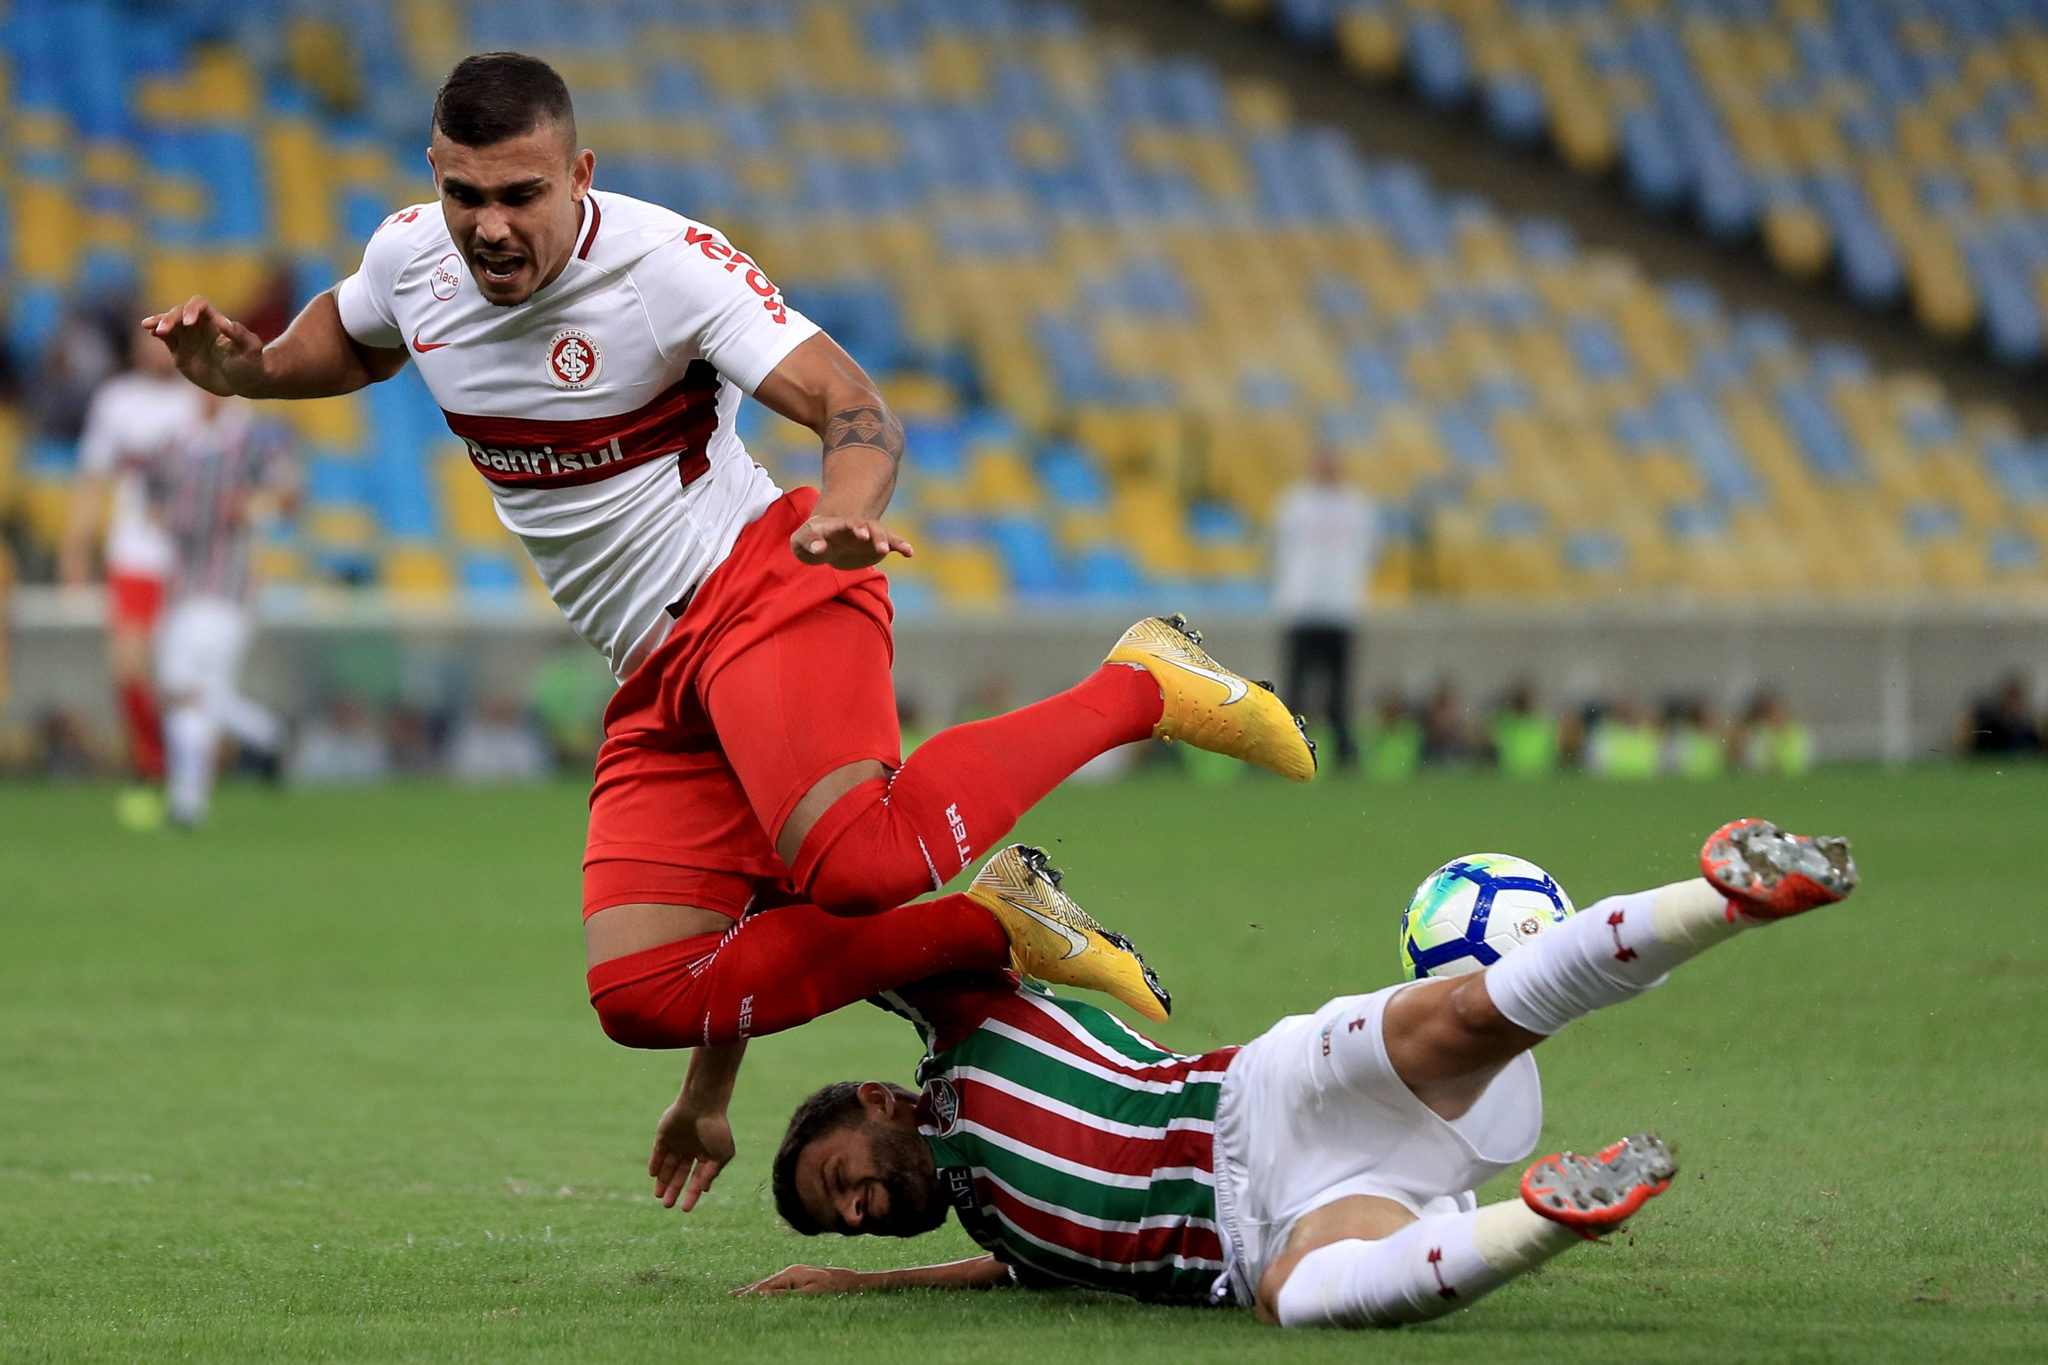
{"points": [[321, 1083]]}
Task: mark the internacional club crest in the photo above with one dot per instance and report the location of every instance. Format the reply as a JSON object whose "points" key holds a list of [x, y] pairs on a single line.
{"points": [[574, 362]]}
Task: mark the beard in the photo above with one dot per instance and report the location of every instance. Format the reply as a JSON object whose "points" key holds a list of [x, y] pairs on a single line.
{"points": [[904, 1166]]}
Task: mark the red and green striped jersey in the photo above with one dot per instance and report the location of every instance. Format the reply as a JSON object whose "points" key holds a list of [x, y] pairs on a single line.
{"points": [[1074, 1149]]}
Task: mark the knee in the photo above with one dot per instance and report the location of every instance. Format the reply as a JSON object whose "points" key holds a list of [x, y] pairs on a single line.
{"points": [[844, 890], [1473, 1014], [634, 1018]]}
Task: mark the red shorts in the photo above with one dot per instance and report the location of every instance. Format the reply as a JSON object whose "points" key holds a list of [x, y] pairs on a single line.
{"points": [[776, 674], [134, 601]]}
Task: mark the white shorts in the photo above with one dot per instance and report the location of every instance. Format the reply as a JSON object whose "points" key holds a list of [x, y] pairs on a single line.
{"points": [[199, 648], [1296, 1131]]}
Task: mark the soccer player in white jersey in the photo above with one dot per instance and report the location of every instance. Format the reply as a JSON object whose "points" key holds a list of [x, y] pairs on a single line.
{"points": [[131, 417], [1321, 1175], [208, 487], [590, 351]]}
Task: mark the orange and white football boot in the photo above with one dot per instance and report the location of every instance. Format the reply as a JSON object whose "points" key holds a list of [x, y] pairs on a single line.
{"points": [[1768, 873], [1595, 1194]]}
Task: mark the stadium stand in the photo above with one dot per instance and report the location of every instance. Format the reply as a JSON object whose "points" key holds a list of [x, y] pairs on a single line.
{"points": [[1901, 144], [1117, 300]]}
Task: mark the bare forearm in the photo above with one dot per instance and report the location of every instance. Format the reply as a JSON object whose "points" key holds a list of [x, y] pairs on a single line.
{"points": [[863, 450], [712, 1075], [316, 358], [981, 1272]]}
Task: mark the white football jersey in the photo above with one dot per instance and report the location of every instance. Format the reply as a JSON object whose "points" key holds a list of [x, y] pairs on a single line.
{"points": [[601, 410], [132, 419]]}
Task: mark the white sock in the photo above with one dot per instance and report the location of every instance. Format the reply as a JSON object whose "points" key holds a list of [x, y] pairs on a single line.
{"points": [[1612, 951], [1433, 1266], [191, 739]]}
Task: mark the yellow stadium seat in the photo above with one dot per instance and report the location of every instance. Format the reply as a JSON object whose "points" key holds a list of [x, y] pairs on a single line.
{"points": [[999, 478], [344, 527], [301, 187], [955, 68], [1798, 240], [418, 571], [231, 279], [1371, 41], [46, 231], [1943, 299], [45, 504], [273, 562], [968, 577], [466, 506], [329, 423]]}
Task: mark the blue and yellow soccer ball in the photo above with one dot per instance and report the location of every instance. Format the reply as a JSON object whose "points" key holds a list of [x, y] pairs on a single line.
{"points": [[1470, 911]]}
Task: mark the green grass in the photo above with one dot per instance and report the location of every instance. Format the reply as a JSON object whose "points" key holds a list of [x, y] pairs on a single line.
{"points": [[322, 1084]]}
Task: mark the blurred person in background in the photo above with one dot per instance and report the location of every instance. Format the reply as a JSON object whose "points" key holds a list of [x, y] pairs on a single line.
{"points": [[498, 744], [2001, 722], [1773, 739], [1396, 741], [343, 744], [1324, 535], [1524, 738], [1695, 745], [1445, 739], [210, 484], [131, 419], [1624, 742]]}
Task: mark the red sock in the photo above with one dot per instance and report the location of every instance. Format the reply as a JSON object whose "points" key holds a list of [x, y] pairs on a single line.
{"points": [[963, 789], [145, 731], [784, 967]]}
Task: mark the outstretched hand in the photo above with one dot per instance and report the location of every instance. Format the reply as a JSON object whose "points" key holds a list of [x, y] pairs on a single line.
{"points": [[212, 350], [690, 1149], [804, 1279], [847, 542]]}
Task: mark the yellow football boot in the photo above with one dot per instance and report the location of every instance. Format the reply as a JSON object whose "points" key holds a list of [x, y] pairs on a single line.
{"points": [[1210, 707], [1057, 941]]}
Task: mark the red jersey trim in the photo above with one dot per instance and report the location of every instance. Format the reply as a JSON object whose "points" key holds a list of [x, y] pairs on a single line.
{"points": [[596, 216], [531, 453]]}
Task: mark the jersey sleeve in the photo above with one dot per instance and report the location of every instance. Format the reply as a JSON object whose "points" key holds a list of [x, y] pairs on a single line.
{"points": [[708, 301], [365, 298]]}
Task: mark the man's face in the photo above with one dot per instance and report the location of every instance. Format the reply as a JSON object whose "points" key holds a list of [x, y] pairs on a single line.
{"points": [[513, 207], [873, 1179]]}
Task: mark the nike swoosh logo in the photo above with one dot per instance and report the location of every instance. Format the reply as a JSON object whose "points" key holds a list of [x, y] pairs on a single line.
{"points": [[1234, 686], [424, 346], [1077, 943]]}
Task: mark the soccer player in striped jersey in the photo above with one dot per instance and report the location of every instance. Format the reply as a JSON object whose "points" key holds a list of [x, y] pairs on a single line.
{"points": [[1321, 1174], [208, 483]]}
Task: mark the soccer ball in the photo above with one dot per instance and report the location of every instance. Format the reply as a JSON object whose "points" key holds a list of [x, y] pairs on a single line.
{"points": [[1470, 911]]}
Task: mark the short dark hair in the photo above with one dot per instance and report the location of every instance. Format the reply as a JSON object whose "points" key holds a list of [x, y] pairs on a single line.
{"points": [[825, 1112], [493, 96]]}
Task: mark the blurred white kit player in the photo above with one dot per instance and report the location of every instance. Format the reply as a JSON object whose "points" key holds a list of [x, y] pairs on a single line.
{"points": [[133, 416], [206, 487]]}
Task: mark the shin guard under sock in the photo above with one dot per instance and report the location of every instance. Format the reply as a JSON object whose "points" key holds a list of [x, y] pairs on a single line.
{"points": [[1612, 951], [783, 967], [962, 791], [1431, 1267]]}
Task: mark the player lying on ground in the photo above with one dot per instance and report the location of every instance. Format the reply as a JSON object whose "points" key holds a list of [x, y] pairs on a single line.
{"points": [[1321, 1174], [590, 350]]}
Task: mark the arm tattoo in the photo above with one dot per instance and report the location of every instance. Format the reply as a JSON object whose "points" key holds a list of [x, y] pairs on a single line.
{"points": [[865, 426]]}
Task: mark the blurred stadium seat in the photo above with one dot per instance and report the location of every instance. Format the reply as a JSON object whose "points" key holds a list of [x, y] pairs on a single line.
{"points": [[1901, 143], [1119, 300]]}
